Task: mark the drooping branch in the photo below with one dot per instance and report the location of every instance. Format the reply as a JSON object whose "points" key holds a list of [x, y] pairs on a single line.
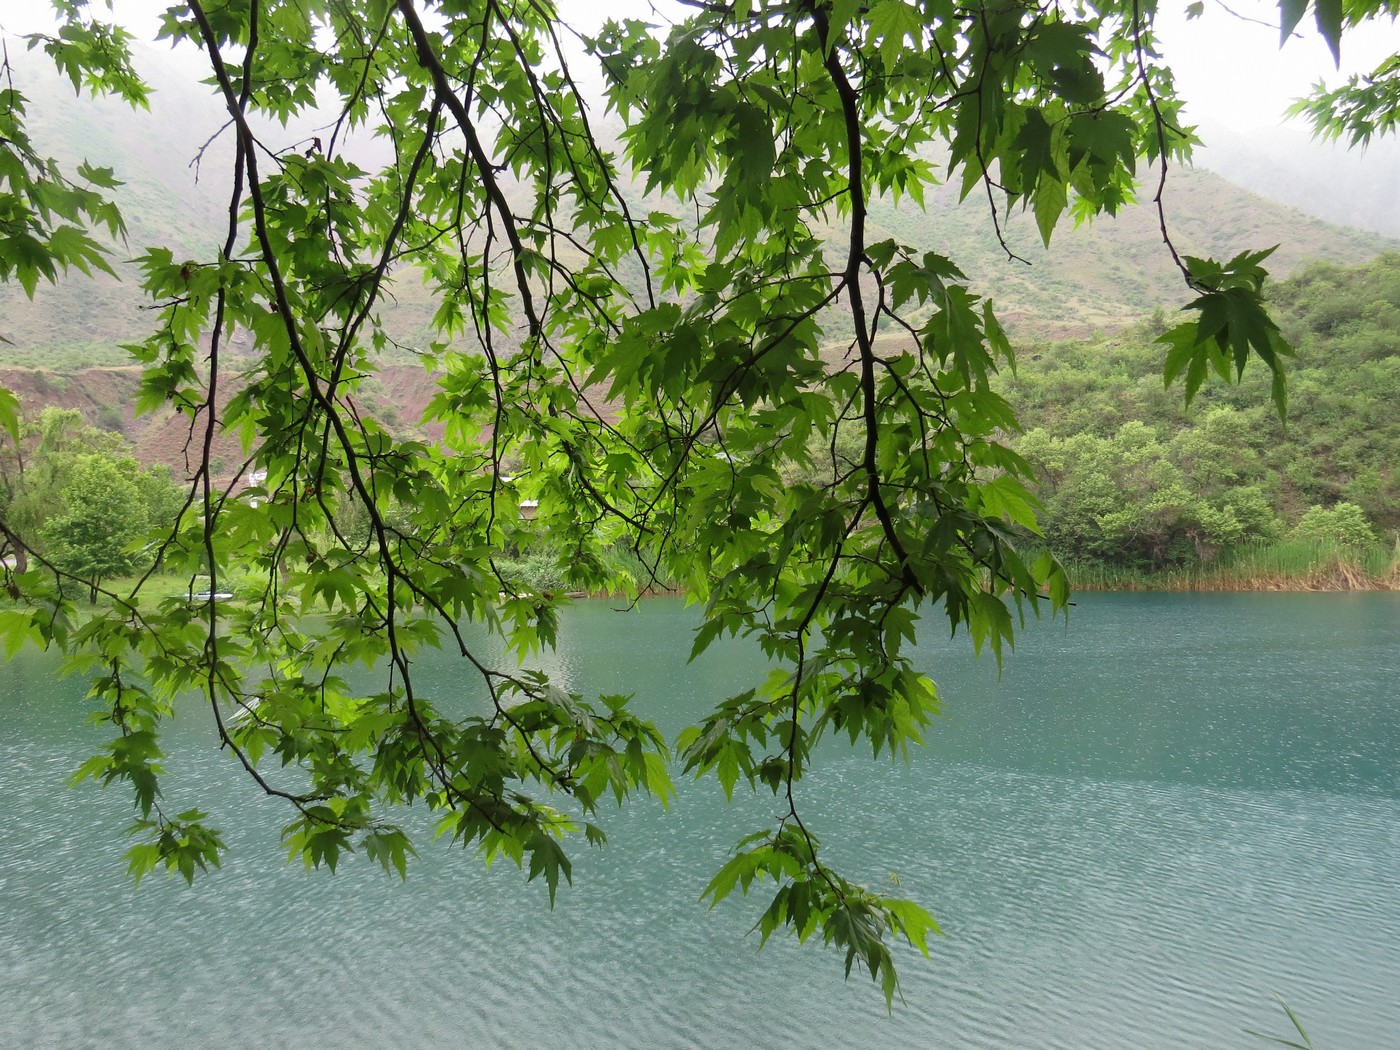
{"points": [[851, 282], [486, 169]]}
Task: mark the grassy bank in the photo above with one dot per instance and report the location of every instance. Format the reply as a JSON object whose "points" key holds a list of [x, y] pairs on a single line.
{"points": [[542, 569], [1294, 565]]}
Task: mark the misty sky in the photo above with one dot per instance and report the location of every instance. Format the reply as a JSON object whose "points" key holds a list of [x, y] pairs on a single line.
{"points": [[1233, 72], [1230, 70]]}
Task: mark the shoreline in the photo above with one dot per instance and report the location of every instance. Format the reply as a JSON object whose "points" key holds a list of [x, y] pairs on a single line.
{"points": [[1334, 574]]}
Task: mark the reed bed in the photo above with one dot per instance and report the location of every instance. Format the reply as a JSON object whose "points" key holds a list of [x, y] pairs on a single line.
{"points": [[1289, 565]]}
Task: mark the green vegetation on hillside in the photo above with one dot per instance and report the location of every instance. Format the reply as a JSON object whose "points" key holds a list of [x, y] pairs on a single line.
{"points": [[1134, 479], [73, 494]]}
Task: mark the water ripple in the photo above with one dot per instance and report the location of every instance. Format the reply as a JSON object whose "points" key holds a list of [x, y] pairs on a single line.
{"points": [[1108, 872]]}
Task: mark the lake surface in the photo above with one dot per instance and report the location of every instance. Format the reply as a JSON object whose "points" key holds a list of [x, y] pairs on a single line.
{"points": [[1158, 817]]}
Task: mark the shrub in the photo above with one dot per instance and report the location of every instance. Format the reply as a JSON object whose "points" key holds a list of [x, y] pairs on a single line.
{"points": [[1345, 524]]}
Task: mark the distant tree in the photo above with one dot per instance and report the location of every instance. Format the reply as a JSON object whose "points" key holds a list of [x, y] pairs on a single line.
{"points": [[36, 462], [160, 498], [48, 469], [93, 537]]}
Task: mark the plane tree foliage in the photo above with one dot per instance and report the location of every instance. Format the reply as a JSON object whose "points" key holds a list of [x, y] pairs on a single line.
{"points": [[641, 340], [1364, 105]]}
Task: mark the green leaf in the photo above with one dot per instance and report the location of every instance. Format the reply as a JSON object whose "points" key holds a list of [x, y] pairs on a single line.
{"points": [[1034, 144], [391, 848], [1049, 201], [1329, 15], [103, 178], [891, 23], [1290, 14], [547, 858]]}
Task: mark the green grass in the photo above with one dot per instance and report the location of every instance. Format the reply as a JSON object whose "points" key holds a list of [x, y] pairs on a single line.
{"points": [[1288, 565]]}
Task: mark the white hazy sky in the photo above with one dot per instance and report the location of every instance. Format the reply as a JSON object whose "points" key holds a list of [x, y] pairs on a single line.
{"points": [[1230, 69]]}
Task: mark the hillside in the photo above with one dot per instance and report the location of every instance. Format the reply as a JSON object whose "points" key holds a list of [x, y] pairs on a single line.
{"points": [[172, 160], [398, 394], [1108, 273], [1130, 474]]}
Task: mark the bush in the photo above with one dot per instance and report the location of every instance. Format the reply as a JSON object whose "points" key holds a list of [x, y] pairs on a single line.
{"points": [[1345, 524]]}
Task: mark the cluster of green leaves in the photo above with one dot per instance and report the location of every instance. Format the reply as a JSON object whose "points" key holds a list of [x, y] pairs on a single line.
{"points": [[1232, 326], [45, 216], [1366, 105], [1360, 109], [642, 380], [860, 920]]}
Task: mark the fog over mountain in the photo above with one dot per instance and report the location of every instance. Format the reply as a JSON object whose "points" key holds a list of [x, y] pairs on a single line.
{"points": [[1352, 187], [1097, 276]]}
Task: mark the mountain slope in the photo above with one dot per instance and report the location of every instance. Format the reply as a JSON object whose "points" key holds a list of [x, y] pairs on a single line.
{"points": [[1097, 276]]}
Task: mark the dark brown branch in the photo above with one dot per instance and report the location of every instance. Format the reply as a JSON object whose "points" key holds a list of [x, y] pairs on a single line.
{"points": [[855, 259], [486, 170]]}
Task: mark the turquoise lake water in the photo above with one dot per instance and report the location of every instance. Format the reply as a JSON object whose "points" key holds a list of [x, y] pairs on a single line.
{"points": [[1157, 818]]}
